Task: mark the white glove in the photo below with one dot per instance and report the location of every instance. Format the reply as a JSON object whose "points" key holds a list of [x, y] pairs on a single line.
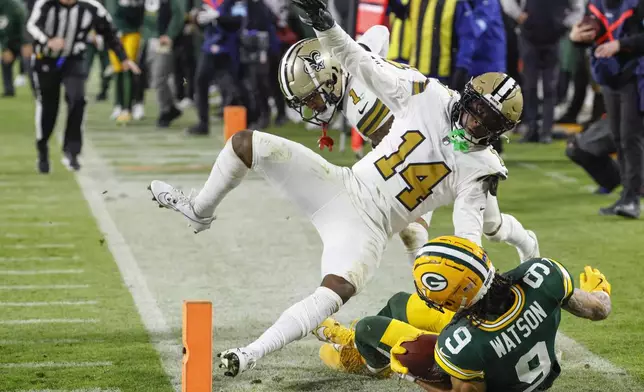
{"points": [[207, 15]]}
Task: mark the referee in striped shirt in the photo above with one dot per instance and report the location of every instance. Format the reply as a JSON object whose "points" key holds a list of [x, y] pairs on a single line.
{"points": [[60, 29]]}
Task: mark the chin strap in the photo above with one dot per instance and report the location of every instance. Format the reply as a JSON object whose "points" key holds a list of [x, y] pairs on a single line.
{"points": [[325, 140]]}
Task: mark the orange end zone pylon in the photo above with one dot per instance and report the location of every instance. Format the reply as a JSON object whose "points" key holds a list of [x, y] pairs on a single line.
{"points": [[197, 347]]}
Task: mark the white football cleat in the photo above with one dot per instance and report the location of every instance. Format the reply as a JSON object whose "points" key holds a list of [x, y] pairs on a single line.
{"points": [[236, 361], [414, 236], [116, 112], [532, 252], [138, 111], [19, 81], [184, 104], [170, 197]]}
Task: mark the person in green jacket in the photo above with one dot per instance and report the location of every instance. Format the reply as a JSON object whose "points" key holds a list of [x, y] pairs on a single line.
{"points": [[13, 40], [128, 19], [163, 23]]}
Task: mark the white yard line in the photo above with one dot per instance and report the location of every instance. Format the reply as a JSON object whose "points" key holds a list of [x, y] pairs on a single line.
{"points": [[48, 341], [71, 390], [44, 287], [39, 246], [42, 272], [9, 223], [37, 258], [37, 365], [48, 321], [50, 303], [92, 183]]}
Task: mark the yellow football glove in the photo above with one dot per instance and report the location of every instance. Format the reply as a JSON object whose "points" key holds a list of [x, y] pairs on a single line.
{"points": [[398, 349], [592, 280]]}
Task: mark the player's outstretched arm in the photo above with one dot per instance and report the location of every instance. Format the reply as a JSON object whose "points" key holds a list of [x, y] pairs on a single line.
{"points": [[371, 70], [592, 300]]}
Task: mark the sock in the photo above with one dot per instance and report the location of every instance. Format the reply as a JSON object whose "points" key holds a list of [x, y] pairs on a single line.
{"points": [[118, 94], [226, 174], [127, 90], [297, 321]]}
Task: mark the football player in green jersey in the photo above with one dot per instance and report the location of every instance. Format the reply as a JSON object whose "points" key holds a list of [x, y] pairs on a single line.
{"points": [[497, 331]]}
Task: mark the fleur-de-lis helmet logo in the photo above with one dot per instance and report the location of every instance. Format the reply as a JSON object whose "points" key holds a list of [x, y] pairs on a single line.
{"points": [[314, 62]]}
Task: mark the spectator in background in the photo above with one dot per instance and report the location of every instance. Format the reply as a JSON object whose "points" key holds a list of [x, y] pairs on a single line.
{"points": [[618, 66], [13, 40], [162, 25], [185, 62], [442, 50], [542, 24], [401, 36], [128, 19], [218, 60], [258, 42], [95, 48], [285, 37]]}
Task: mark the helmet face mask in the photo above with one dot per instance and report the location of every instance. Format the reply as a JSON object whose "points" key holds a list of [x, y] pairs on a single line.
{"points": [[312, 81], [491, 104]]}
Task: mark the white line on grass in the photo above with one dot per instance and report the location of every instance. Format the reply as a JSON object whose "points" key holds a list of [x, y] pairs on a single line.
{"points": [[37, 258], [42, 272], [36, 365], [9, 223], [48, 341], [71, 390], [48, 321], [92, 184], [39, 246], [50, 303], [44, 287]]}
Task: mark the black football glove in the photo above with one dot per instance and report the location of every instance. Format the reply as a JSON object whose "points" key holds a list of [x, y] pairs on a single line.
{"points": [[317, 14]]}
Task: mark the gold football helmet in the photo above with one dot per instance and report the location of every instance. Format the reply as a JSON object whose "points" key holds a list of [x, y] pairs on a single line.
{"points": [[490, 105], [312, 81], [452, 273]]}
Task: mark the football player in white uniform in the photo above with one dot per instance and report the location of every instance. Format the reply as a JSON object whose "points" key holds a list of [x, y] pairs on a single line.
{"points": [[437, 152], [304, 71]]}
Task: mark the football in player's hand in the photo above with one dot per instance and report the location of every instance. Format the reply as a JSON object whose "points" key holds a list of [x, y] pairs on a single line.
{"points": [[419, 358]]}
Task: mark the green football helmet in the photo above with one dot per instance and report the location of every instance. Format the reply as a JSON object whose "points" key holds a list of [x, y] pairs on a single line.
{"points": [[312, 81], [491, 104]]}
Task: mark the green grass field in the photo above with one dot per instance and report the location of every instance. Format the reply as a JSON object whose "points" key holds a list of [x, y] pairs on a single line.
{"points": [[69, 322]]}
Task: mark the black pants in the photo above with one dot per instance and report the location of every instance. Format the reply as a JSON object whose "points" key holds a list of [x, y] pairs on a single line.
{"points": [[278, 97], [48, 80], [7, 78], [218, 68], [184, 67], [627, 124], [540, 62], [258, 89]]}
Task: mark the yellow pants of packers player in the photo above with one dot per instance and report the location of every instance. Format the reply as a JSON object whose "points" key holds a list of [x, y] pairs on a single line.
{"points": [[405, 315], [131, 43]]}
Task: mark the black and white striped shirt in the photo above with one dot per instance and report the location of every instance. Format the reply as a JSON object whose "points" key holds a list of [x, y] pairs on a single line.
{"points": [[51, 19]]}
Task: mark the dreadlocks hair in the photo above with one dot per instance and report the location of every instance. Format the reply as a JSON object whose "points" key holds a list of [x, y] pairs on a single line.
{"points": [[496, 301]]}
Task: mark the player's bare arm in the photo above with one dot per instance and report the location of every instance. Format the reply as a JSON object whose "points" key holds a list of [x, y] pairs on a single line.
{"points": [[592, 300], [594, 306]]}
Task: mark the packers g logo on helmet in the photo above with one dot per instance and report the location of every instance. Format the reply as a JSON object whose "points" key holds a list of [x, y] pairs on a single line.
{"points": [[452, 273]]}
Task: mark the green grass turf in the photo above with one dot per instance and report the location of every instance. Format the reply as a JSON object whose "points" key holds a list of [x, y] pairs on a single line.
{"points": [[51, 210]]}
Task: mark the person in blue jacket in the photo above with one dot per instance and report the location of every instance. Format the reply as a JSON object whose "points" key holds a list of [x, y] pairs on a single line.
{"points": [[490, 49], [219, 57]]}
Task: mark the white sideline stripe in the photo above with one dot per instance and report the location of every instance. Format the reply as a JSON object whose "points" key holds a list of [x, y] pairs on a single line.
{"points": [[24, 206], [37, 258], [71, 390], [48, 321], [42, 272], [45, 287], [31, 224], [47, 341], [52, 303], [39, 246], [92, 183], [36, 365]]}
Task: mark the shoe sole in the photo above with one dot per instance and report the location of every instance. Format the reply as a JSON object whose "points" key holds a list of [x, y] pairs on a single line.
{"points": [[170, 207], [623, 215]]}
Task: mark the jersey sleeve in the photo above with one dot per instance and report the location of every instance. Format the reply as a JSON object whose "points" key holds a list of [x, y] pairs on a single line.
{"points": [[548, 276], [376, 39], [469, 206], [379, 76], [456, 355]]}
